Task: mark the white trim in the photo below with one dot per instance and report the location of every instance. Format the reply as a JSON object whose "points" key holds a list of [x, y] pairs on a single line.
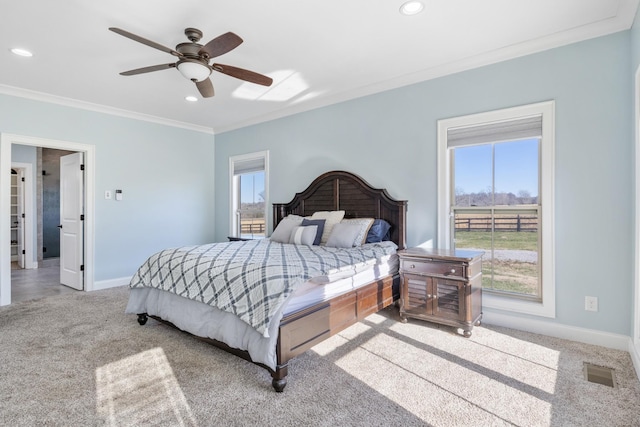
{"points": [[111, 283], [30, 255], [549, 328], [232, 202], [69, 102], [635, 327], [6, 140], [547, 192]]}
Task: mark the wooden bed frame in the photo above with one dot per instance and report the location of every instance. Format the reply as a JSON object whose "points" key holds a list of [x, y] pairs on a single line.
{"points": [[299, 331]]}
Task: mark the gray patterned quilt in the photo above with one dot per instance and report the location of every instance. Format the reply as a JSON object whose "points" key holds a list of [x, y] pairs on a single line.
{"points": [[250, 279]]}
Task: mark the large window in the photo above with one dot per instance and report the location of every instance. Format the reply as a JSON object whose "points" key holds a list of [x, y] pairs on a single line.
{"points": [[496, 196], [249, 195]]}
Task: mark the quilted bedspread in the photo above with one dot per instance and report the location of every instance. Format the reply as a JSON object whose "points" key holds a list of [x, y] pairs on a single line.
{"points": [[250, 279]]}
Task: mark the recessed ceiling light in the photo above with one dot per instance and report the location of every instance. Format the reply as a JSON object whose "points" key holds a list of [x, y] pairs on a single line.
{"points": [[411, 8], [21, 52], [191, 98]]}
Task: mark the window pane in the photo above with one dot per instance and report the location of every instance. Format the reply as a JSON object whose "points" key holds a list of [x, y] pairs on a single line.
{"points": [[510, 261], [252, 206], [515, 254], [516, 172], [473, 175]]}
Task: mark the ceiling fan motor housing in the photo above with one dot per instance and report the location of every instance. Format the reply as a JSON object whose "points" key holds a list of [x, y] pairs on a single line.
{"points": [[193, 34]]}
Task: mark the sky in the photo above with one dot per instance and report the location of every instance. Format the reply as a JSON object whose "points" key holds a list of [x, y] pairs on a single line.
{"points": [[516, 167], [251, 186]]}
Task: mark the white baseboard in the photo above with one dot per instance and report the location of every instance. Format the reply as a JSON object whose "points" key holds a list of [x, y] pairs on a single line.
{"points": [[111, 283], [573, 333]]}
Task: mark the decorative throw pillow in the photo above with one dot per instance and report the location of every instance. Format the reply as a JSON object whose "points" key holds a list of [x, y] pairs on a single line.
{"points": [[343, 235], [331, 218], [282, 233], [317, 222], [379, 231], [365, 225], [303, 235]]}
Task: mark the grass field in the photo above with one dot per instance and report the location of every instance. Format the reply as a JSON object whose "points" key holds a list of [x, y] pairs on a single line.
{"points": [[509, 275], [524, 241]]}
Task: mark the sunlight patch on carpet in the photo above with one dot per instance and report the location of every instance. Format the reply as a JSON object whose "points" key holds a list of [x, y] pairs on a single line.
{"points": [[489, 383], [141, 389]]}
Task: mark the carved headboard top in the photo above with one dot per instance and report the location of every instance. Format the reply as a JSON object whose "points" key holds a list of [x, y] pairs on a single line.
{"points": [[340, 190]]}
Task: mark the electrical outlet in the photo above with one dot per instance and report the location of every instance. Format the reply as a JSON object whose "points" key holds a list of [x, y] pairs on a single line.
{"points": [[591, 303], [107, 194]]}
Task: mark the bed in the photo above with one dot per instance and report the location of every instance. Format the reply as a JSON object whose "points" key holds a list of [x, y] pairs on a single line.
{"points": [[307, 313]]}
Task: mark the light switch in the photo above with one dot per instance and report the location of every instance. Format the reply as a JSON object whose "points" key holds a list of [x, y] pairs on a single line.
{"points": [[107, 194]]}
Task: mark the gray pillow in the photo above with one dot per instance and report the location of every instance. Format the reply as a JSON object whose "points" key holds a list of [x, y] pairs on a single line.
{"points": [[303, 235], [282, 233], [343, 235]]}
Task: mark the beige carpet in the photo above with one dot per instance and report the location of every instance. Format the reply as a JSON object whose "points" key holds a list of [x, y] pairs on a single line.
{"points": [[77, 360]]}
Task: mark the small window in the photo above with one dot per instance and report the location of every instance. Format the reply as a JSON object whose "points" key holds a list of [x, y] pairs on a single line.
{"points": [[249, 200]]}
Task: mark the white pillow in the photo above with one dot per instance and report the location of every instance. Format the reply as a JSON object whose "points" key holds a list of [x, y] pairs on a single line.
{"points": [[343, 235], [364, 224], [331, 218], [303, 235], [282, 233]]}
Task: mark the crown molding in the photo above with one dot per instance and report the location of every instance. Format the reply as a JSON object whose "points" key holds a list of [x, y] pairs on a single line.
{"points": [[83, 105]]}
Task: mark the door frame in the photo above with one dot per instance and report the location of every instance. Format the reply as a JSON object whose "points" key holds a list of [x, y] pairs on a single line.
{"points": [[29, 217], [6, 141], [635, 328]]}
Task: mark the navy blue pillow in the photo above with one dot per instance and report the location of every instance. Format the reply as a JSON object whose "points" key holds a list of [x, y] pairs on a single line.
{"points": [[319, 223], [379, 231]]}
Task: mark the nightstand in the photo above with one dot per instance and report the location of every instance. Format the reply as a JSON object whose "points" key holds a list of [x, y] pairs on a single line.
{"points": [[441, 286]]}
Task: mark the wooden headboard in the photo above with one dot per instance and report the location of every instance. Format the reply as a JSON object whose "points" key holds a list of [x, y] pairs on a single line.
{"points": [[340, 190]]}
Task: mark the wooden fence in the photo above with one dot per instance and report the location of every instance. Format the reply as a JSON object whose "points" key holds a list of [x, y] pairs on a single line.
{"points": [[526, 223], [255, 226]]}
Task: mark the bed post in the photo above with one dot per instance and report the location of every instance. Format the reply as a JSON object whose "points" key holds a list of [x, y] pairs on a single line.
{"points": [[279, 378]]}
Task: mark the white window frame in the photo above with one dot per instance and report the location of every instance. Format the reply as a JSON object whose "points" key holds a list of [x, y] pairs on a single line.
{"points": [[234, 181], [547, 307]]}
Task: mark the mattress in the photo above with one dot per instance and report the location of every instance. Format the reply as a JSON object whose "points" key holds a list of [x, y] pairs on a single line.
{"points": [[204, 320]]}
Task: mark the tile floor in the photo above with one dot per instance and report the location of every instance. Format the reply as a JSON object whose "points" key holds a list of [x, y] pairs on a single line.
{"points": [[37, 283]]}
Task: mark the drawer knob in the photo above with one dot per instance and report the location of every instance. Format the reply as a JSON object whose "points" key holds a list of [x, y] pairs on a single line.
{"points": [[413, 266], [453, 270]]}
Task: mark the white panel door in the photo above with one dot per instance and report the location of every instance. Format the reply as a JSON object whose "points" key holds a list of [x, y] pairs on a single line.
{"points": [[71, 224]]}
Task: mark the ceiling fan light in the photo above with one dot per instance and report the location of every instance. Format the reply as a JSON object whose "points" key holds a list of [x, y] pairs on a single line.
{"points": [[194, 71]]}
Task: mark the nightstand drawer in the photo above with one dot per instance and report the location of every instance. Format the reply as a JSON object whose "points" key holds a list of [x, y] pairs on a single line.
{"points": [[432, 267]]}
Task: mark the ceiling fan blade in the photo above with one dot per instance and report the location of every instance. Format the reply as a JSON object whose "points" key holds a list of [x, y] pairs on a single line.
{"points": [[148, 69], [205, 88], [145, 41], [221, 45], [242, 74]]}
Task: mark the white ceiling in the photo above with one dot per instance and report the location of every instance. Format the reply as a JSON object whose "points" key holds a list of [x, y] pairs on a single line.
{"points": [[317, 53]]}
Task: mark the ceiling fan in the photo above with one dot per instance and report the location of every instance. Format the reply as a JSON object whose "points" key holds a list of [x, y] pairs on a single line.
{"points": [[193, 59]]}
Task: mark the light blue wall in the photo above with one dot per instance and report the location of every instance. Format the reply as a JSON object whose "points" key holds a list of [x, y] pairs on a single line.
{"points": [[166, 174], [389, 139]]}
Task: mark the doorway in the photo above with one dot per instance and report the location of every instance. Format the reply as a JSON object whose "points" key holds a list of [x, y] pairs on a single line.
{"points": [[7, 143], [43, 278]]}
